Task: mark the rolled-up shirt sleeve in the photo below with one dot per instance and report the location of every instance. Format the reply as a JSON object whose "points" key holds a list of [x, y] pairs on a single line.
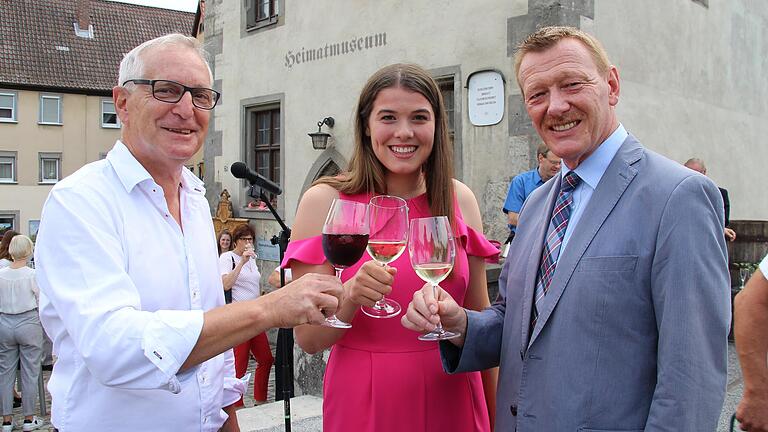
{"points": [[89, 298], [234, 387]]}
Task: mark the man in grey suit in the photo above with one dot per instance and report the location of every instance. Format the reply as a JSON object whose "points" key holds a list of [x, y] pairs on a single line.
{"points": [[614, 315]]}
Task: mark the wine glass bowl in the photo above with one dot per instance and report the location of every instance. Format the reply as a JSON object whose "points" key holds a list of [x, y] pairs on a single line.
{"points": [[388, 223], [432, 250], [344, 239]]}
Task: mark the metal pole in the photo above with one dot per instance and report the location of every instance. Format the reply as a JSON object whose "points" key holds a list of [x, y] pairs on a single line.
{"points": [[284, 336]]}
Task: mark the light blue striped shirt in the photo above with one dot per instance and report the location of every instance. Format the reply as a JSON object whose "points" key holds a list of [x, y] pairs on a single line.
{"points": [[590, 171]]}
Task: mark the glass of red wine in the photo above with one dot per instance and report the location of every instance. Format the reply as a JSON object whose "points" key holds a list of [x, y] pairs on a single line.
{"points": [[345, 237], [387, 241], [432, 250]]}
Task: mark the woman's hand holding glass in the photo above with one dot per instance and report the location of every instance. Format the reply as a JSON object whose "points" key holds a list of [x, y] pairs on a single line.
{"points": [[370, 284], [248, 252], [387, 241]]}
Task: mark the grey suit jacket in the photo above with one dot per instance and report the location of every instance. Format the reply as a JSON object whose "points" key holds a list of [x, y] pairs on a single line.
{"points": [[636, 339]]}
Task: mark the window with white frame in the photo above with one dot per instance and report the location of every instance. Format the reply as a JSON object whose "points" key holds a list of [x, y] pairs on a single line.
{"points": [[8, 106], [109, 114], [50, 167], [50, 109], [7, 167]]}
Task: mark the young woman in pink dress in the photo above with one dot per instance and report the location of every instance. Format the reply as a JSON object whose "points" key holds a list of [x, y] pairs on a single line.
{"points": [[379, 377]]}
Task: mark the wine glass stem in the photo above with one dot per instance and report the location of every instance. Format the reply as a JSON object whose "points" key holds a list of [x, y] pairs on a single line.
{"points": [[380, 304], [439, 326]]}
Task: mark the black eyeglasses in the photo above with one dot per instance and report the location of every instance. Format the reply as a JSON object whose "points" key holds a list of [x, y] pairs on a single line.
{"points": [[172, 92]]}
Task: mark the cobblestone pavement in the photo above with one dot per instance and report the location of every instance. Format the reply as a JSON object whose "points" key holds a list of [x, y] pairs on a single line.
{"points": [[735, 389]]}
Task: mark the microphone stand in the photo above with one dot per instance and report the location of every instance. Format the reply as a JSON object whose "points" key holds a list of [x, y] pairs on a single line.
{"points": [[284, 336]]}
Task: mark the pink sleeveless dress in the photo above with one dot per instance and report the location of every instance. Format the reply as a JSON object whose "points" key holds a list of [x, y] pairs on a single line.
{"points": [[379, 377]]}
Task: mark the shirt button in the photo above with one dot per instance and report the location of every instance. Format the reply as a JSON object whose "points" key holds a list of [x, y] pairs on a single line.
{"points": [[513, 409]]}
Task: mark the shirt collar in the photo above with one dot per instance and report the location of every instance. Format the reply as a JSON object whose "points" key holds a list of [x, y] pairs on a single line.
{"points": [[537, 177], [591, 170], [130, 172]]}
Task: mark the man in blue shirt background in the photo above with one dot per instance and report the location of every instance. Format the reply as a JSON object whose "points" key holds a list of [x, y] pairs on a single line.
{"points": [[525, 183]]}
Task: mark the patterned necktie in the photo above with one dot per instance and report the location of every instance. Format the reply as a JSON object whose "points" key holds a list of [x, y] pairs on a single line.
{"points": [[555, 235]]}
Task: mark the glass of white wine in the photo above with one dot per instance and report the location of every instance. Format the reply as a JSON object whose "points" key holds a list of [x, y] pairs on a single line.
{"points": [[432, 250], [386, 242]]}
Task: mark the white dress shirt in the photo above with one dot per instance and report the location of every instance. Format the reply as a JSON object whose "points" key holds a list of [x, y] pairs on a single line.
{"points": [[123, 291], [18, 290]]}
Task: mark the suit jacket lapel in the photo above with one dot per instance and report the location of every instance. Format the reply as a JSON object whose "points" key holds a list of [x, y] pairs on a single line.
{"points": [[613, 184], [534, 258]]}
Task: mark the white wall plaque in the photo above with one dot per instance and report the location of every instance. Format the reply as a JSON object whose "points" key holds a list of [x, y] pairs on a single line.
{"points": [[486, 98]]}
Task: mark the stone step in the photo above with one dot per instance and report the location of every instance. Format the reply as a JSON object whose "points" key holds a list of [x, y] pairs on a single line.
{"points": [[306, 416]]}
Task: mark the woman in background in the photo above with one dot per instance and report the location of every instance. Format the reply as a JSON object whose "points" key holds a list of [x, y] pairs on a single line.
{"points": [[241, 276], [21, 334], [379, 377], [224, 241], [5, 257]]}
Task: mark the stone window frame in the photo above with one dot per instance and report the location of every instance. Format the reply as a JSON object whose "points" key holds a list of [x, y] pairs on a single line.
{"points": [[443, 76], [248, 107], [250, 25], [14, 216]]}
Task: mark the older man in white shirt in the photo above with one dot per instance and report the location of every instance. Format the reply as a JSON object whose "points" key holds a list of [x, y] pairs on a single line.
{"points": [[128, 269]]}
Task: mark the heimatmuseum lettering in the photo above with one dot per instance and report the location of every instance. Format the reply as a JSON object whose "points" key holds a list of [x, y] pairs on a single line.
{"points": [[335, 49]]}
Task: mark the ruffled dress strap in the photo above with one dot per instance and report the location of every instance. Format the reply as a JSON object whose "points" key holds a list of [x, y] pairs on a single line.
{"points": [[306, 251], [473, 242]]}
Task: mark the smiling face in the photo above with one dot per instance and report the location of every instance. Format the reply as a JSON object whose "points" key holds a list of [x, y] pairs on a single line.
{"points": [[402, 130], [570, 102], [225, 241], [159, 134]]}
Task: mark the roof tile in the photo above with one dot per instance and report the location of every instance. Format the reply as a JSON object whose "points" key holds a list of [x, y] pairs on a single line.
{"points": [[39, 48]]}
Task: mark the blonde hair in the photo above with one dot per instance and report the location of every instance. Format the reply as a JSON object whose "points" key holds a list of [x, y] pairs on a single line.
{"points": [[366, 173], [20, 247], [547, 37]]}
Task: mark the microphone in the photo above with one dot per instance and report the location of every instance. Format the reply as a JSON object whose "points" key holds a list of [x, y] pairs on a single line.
{"points": [[241, 171]]}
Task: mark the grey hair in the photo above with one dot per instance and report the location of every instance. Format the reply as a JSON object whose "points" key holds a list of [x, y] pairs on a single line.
{"points": [[20, 247], [132, 65]]}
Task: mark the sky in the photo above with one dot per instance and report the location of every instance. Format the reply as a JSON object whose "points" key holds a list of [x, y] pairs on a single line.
{"points": [[183, 5]]}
